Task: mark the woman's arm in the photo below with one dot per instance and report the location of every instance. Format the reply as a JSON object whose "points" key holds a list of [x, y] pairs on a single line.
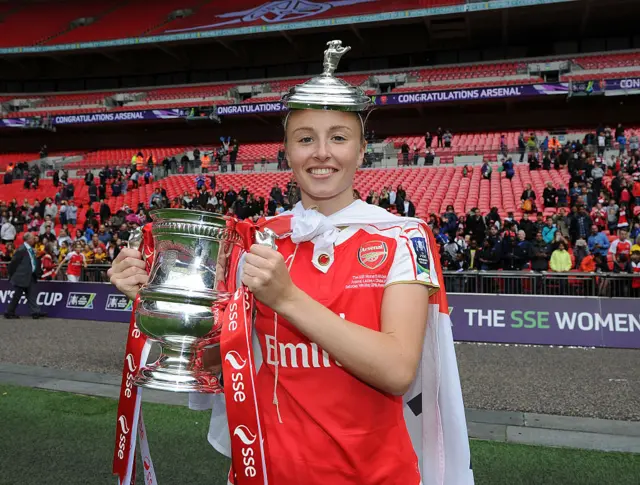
{"points": [[387, 359]]}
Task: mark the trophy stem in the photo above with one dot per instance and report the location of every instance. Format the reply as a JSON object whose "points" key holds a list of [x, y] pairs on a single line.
{"points": [[175, 370]]}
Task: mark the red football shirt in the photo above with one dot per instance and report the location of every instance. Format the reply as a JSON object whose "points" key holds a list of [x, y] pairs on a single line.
{"points": [[76, 261], [335, 428]]}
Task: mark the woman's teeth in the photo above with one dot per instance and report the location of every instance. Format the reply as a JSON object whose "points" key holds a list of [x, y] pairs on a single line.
{"points": [[321, 171]]}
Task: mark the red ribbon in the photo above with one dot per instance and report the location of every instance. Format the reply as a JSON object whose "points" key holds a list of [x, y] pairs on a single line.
{"points": [[248, 442], [130, 395]]}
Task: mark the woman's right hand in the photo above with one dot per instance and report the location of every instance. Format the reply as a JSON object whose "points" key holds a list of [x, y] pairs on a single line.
{"points": [[128, 272]]}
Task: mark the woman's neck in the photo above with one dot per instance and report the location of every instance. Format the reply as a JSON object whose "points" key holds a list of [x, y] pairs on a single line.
{"points": [[330, 206]]}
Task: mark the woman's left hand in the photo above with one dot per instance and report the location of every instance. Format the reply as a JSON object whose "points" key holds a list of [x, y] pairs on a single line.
{"points": [[265, 274]]}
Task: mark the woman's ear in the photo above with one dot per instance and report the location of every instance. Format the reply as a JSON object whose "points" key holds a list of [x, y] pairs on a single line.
{"points": [[361, 153]]}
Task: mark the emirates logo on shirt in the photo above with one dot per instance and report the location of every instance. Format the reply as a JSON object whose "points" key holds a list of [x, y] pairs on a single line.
{"points": [[373, 254]]}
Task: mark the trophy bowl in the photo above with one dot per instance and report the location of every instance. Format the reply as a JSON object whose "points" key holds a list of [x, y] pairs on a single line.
{"points": [[182, 304]]}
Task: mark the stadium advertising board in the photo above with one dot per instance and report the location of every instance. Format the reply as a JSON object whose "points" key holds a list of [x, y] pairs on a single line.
{"points": [[608, 87], [14, 122], [117, 116], [446, 95], [567, 321], [548, 320]]}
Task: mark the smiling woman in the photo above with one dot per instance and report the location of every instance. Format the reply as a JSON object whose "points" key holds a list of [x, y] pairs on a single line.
{"points": [[324, 149], [351, 387], [342, 311]]}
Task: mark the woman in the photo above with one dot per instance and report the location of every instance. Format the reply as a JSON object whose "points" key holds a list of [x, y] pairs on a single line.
{"points": [[528, 199], [354, 433], [76, 262], [48, 264], [560, 259]]}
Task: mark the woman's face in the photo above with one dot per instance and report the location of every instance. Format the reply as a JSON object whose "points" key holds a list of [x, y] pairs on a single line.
{"points": [[324, 150]]}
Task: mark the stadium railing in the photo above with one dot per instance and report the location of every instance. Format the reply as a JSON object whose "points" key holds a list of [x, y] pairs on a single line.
{"points": [[544, 283]]}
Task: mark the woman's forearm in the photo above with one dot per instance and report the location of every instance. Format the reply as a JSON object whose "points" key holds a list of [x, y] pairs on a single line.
{"points": [[374, 357]]}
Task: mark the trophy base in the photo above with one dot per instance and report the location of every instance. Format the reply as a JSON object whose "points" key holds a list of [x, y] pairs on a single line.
{"points": [[162, 380], [175, 371]]}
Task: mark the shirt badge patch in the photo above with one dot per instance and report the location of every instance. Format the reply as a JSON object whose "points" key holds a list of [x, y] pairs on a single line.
{"points": [[422, 254], [373, 254]]}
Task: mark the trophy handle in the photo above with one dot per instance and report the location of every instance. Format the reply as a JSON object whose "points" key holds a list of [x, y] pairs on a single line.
{"points": [[135, 239], [267, 237]]}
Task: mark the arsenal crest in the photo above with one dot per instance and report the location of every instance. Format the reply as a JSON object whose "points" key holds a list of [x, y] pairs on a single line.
{"points": [[373, 254]]}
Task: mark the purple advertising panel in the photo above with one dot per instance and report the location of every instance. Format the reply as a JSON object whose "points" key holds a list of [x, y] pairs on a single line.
{"points": [[546, 320], [13, 122], [470, 94], [416, 98], [514, 319], [80, 301], [115, 116], [250, 108], [631, 83]]}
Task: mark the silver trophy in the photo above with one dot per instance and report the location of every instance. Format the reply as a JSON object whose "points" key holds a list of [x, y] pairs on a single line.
{"points": [[327, 91], [182, 304]]}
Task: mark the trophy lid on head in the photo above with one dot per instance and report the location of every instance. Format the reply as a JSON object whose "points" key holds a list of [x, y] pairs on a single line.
{"points": [[326, 91]]}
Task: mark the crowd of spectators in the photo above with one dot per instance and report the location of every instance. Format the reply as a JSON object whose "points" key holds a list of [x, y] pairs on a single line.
{"points": [[593, 228]]}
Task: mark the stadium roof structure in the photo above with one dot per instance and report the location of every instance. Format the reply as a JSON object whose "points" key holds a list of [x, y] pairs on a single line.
{"points": [[99, 25]]}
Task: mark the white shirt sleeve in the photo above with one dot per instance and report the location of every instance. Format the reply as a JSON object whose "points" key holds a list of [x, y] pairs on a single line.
{"points": [[413, 260]]}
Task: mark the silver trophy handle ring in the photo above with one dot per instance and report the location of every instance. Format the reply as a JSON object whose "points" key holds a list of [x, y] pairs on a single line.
{"points": [[267, 238]]}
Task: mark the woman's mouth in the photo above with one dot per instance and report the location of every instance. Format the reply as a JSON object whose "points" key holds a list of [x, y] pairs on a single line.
{"points": [[321, 173]]}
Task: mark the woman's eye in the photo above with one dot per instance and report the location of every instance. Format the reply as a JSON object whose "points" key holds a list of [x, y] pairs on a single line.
{"points": [[339, 138], [306, 139]]}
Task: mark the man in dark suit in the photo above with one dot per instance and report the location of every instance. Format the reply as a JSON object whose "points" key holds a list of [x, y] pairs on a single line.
{"points": [[24, 270]]}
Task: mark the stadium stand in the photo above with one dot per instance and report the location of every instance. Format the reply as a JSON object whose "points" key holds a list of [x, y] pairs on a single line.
{"points": [[129, 19], [52, 19], [121, 157], [477, 75]]}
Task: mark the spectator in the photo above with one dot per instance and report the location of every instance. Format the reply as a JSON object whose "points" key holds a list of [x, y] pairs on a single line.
{"points": [[540, 259], [7, 232], [507, 167], [620, 249], [428, 140], [406, 208], [485, 170], [528, 227], [404, 149], [528, 199], [522, 146], [562, 196], [560, 259], [588, 264], [448, 138], [522, 252], [72, 213], [580, 251], [597, 242], [612, 216], [549, 231], [580, 225], [476, 227], [549, 195]]}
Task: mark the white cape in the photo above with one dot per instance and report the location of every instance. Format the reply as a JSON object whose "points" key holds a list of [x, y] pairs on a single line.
{"points": [[433, 408]]}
